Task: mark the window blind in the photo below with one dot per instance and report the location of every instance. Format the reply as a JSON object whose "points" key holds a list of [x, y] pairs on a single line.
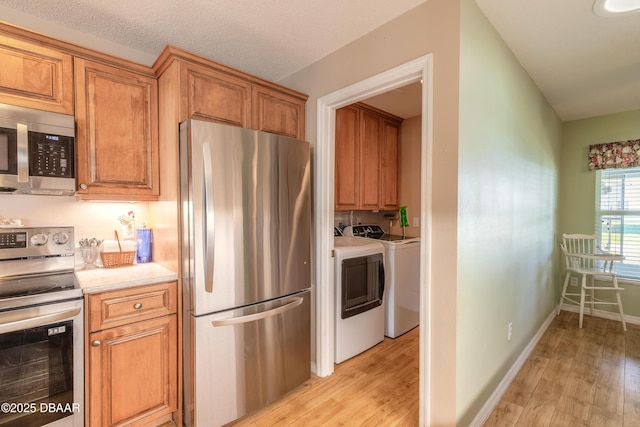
{"points": [[618, 217]]}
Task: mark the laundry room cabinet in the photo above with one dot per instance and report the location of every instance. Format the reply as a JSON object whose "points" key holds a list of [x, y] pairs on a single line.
{"points": [[366, 159]]}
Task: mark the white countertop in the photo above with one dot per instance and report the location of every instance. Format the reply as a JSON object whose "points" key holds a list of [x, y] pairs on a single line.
{"points": [[107, 279]]}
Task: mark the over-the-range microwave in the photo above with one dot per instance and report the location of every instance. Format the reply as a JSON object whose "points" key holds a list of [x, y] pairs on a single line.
{"points": [[36, 152]]}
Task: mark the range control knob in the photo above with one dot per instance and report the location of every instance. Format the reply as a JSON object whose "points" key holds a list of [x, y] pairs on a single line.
{"points": [[60, 238], [39, 239]]}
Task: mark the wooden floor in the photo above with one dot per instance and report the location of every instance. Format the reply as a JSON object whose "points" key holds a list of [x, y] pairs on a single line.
{"points": [[375, 388], [576, 377]]}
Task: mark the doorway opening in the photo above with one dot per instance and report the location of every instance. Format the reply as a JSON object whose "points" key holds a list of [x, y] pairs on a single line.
{"points": [[418, 70]]}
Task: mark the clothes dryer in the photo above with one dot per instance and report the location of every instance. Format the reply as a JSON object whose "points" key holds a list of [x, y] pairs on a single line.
{"points": [[359, 295]]}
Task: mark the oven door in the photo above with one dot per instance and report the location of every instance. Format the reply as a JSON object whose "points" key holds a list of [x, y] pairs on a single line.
{"points": [[42, 365], [14, 152], [362, 284]]}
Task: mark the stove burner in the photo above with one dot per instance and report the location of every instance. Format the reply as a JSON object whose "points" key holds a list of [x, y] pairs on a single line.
{"points": [[21, 287], [26, 287]]}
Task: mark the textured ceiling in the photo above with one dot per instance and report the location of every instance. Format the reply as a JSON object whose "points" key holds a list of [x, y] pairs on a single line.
{"points": [[584, 64], [268, 38]]}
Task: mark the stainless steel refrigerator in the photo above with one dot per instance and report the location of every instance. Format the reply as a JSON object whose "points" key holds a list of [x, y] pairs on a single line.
{"points": [[245, 269]]}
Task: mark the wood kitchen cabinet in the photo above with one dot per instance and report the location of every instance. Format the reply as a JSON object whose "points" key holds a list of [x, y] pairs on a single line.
{"points": [[366, 153], [195, 87], [215, 96], [277, 112], [132, 356], [117, 133], [35, 76]]}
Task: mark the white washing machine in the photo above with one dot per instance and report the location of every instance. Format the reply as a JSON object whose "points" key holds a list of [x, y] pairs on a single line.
{"points": [[402, 266], [359, 290]]}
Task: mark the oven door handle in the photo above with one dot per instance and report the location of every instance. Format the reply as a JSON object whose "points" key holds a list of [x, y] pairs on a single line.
{"points": [[34, 322]]}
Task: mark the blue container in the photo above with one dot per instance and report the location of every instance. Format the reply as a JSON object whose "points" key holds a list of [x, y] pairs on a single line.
{"points": [[143, 249]]}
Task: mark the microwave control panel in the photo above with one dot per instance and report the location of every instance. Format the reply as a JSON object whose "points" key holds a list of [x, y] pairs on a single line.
{"points": [[51, 155]]}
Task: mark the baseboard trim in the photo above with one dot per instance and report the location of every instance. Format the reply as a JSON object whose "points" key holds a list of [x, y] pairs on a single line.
{"points": [[634, 320], [493, 400]]}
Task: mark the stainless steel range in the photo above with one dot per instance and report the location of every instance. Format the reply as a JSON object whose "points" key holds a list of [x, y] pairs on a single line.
{"points": [[41, 329]]}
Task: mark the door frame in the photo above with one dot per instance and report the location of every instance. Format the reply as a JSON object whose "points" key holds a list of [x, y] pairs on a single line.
{"points": [[419, 69]]}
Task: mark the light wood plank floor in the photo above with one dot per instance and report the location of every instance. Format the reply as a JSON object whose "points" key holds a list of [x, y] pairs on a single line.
{"points": [[576, 377], [376, 388]]}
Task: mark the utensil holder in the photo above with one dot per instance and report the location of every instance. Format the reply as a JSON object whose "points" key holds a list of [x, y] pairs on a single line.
{"points": [[90, 255]]}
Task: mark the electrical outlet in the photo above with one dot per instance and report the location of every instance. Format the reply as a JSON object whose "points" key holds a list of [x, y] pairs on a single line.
{"points": [[509, 331], [416, 222], [573, 281]]}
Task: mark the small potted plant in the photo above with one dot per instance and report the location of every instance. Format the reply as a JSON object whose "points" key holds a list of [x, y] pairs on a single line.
{"points": [[128, 222]]}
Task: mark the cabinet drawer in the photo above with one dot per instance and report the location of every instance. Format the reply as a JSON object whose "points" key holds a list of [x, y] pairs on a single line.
{"points": [[116, 308]]}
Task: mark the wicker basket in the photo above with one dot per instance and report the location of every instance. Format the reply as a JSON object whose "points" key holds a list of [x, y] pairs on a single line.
{"points": [[117, 259]]}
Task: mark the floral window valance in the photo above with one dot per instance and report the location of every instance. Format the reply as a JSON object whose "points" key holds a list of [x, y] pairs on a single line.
{"points": [[622, 154]]}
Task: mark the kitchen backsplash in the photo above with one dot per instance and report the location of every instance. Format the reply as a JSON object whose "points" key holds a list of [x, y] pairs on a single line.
{"points": [[90, 219]]}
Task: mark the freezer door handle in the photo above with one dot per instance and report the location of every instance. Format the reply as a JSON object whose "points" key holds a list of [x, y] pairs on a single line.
{"points": [[258, 316], [209, 218]]}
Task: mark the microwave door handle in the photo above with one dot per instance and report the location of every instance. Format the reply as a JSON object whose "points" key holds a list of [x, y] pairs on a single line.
{"points": [[258, 316], [35, 322], [208, 218], [23, 152]]}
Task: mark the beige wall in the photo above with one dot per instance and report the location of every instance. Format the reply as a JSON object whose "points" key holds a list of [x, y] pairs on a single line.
{"points": [[432, 27], [410, 190], [509, 158]]}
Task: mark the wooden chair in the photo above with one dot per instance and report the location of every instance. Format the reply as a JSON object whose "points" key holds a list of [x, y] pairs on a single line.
{"points": [[583, 257]]}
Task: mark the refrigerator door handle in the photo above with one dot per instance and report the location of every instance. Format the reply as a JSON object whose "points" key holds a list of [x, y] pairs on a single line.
{"points": [[258, 316], [209, 218]]}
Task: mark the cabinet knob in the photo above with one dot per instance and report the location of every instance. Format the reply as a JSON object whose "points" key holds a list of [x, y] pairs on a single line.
{"points": [[96, 343], [137, 306], [83, 186]]}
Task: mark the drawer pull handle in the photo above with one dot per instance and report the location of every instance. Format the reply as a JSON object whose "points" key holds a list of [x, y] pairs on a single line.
{"points": [[137, 306], [96, 343]]}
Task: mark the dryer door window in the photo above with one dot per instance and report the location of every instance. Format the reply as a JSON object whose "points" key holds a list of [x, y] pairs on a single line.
{"points": [[362, 284]]}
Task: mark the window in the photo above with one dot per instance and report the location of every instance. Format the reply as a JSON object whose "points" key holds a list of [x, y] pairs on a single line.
{"points": [[618, 217]]}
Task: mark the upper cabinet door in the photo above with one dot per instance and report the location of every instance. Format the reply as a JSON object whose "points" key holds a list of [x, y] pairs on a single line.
{"points": [[389, 158], [347, 159], [370, 131], [117, 137], [276, 112], [36, 77], [215, 96]]}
